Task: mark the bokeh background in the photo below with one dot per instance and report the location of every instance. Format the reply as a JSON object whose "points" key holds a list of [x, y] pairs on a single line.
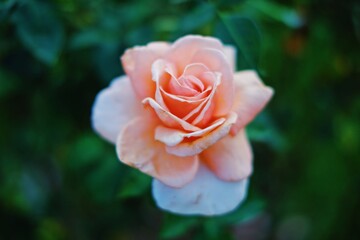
{"points": [[59, 180]]}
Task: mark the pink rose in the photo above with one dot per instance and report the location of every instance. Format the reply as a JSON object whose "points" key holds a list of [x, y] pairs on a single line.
{"points": [[179, 116]]}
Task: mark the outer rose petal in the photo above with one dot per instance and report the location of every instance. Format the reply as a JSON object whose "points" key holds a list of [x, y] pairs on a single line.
{"points": [[216, 61], [195, 147], [184, 49], [114, 107], [205, 195], [137, 63], [136, 147], [251, 96], [230, 158], [230, 53]]}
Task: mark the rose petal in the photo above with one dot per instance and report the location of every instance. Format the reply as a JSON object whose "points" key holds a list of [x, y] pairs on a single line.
{"points": [[197, 70], [230, 54], [177, 87], [181, 106], [195, 147], [168, 118], [194, 99], [183, 50], [172, 137], [206, 112], [137, 63], [114, 107], [251, 96], [136, 147], [158, 69], [205, 195], [159, 47], [205, 102], [230, 158], [216, 61]]}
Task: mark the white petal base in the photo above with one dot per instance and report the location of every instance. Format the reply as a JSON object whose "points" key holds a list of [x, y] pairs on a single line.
{"points": [[205, 195]]}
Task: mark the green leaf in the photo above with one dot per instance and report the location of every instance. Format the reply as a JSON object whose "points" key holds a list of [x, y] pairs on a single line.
{"points": [[135, 185], [106, 60], [244, 33], [262, 129], [278, 12], [244, 213], [175, 226], [197, 18], [356, 20], [7, 8], [39, 30], [9, 83]]}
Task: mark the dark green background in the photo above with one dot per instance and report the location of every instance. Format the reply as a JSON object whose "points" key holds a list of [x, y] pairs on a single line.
{"points": [[59, 180]]}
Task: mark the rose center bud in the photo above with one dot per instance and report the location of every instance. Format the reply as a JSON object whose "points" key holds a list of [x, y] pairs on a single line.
{"points": [[192, 82], [190, 95]]}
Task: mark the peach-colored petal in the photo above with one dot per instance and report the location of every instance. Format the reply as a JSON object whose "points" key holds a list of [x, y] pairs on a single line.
{"points": [[197, 70], [136, 147], [181, 106], [114, 107], [183, 50], [172, 137], [197, 146], [189, 85], [230, 53], [230, 158], [251, 96], [202, 113], [161, 71], [168, 118], [205, 195], [137, 64], [177, 87], [187, 107], [193, 99], [216, 61]]}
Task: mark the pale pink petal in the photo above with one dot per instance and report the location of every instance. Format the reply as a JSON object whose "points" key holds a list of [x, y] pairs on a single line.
{"points": [[216, 61], [230, 158], [251, 96], [183, 50], [158, 70], [230, 53], [168, 118], [172, 137], [114, 107], [161, 48], [205, 195], [136, 147], [197, 146], [137, 64]]}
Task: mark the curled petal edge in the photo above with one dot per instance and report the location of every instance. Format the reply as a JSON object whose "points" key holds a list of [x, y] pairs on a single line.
{"points": [[195, 147]]}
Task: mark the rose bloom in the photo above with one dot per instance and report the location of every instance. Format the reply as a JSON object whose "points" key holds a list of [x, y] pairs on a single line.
{"points": [[179, 115]]}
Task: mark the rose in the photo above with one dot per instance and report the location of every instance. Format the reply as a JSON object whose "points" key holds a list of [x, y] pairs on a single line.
{"points": [[179, 116]]}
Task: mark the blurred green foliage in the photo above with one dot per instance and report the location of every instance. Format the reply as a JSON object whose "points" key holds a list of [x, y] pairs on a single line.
{"points": [[59, 180]]}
